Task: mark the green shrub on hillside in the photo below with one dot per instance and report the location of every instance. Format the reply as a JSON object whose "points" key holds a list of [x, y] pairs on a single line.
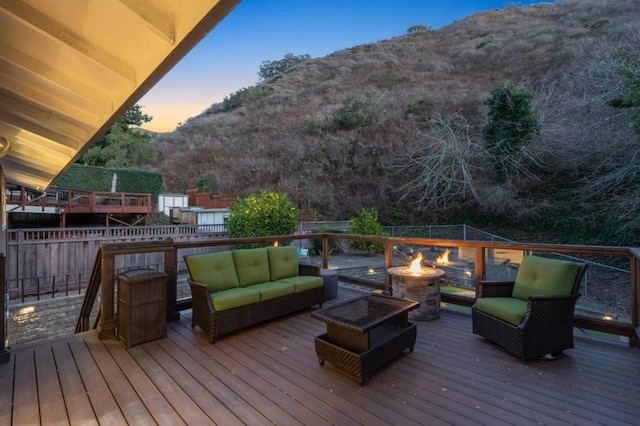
{"points": [[263, 214], [512, 124], [362, 113], [270, 69], [387, 78], [244, 96], [627, 65], [419, 29], [366, 223]]}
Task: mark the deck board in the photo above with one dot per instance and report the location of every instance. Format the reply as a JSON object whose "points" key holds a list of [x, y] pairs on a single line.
{"points": [[163, 378], [25, 396], [269, 374], [6, 397], [52, 408], [104, 404], [76, 399], [132, 407], [159, 408]]}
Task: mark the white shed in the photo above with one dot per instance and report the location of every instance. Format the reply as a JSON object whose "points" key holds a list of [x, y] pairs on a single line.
{"points": [[167, 200], [218, 216]]}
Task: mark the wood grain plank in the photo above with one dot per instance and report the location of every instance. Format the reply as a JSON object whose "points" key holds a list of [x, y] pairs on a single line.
{"points": [[52, 407], [295, 395], [174, 394], [209, 393], [193, 389], [75, 396], [127, 399], [392, 405], [105, 407], [6, 384], [234, 373], [155, 402], [433, 407], [25, 396]]}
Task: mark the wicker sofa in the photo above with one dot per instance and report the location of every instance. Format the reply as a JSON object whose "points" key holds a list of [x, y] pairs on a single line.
{"points": [[235, 289]]}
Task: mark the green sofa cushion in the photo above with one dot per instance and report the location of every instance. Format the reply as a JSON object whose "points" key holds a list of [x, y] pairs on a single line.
{"points": [[304, 282], [544, 277], [234, 297], [283, 262], [252, 266], [271, 290], [215, 270], [509, 309]]}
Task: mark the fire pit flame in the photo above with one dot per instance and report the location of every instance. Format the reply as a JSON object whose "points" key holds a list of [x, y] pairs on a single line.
{"points": [[416, 265], [444, 258]]}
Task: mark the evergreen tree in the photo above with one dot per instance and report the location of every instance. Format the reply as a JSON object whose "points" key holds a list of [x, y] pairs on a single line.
{"points": [[123, 145], [511, 125]]}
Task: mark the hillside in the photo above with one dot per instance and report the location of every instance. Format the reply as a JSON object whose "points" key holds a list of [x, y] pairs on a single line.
{"points": [[396, 125]]}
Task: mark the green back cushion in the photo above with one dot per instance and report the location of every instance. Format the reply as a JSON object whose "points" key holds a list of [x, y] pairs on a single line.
{"points": [[252, 266], [544, 277], [283, 262], [216, 270]]}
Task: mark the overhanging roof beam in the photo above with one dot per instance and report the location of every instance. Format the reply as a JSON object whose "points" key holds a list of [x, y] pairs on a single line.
{"points": [[153, 18], [42, 23]]}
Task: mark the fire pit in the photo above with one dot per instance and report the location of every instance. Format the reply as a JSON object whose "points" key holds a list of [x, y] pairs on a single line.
{"points": [[418, 284]]}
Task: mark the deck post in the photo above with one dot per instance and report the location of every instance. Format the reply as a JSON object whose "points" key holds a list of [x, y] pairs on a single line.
{"points": [[4, 353], [171, 269], [108, 322]]}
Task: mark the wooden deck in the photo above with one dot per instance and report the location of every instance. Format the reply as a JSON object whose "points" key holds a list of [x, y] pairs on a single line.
{"points": [[269, 374]]}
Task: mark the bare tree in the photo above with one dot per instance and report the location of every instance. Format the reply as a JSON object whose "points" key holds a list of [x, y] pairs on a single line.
{"points": [[440, 167]]}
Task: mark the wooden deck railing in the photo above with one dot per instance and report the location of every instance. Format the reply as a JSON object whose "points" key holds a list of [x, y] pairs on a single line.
{"points": [[107, 321], [71, 201]]}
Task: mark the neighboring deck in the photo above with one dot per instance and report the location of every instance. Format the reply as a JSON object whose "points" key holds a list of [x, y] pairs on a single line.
{"points": [[269, 374]]}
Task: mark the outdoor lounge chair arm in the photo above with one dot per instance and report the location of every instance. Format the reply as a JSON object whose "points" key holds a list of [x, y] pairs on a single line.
{"points": [[544, 311], [495, 288]]}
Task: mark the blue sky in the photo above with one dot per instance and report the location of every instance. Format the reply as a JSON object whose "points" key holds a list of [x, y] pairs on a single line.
{"points": [[229, 58]]}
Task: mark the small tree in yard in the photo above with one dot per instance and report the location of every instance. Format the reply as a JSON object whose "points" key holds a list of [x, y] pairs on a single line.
{"points": [[366, 223], [263, 214]]}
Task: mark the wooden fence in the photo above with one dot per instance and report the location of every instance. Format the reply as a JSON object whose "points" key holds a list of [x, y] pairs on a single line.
{"points": [[57, 262]]}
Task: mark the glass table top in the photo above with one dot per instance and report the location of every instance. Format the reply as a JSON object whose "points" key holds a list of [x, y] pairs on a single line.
{"points": [[365, 312]]}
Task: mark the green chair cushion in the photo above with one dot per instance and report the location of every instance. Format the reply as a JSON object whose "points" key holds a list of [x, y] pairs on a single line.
{"points": [[509, 309], [252, 266], [283, 262], [215, 270], [304, 282], [234, 297], [539, 276], [271, 290]]}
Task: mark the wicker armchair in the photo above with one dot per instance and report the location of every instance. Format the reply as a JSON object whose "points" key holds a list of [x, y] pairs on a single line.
{"points": [[531, 317]]}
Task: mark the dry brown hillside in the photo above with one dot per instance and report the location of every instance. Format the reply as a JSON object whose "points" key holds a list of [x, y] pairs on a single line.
{"points": [[396, 126]]}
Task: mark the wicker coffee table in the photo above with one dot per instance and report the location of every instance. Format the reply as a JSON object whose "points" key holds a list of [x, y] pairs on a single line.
{"points": [[365, 333]]}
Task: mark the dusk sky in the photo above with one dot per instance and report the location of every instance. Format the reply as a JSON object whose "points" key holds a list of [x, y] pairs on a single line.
{"points": [[229, 58]]}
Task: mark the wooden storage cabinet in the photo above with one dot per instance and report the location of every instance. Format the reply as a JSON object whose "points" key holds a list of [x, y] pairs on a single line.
{"points": [[142, 306]]}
